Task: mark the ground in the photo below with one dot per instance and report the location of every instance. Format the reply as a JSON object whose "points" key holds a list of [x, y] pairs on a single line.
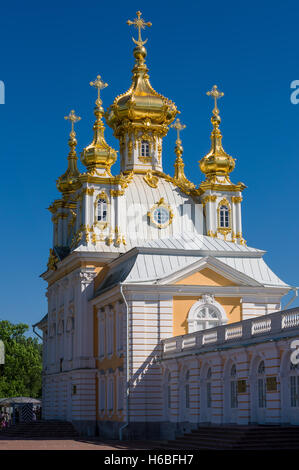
{"points": [[71, 444]]}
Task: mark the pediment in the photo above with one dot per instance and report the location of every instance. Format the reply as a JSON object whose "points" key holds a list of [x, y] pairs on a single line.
{"points": [[209, 271]]}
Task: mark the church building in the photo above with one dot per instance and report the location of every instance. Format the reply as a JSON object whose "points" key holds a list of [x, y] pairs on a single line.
{"points": [[160, 316]]}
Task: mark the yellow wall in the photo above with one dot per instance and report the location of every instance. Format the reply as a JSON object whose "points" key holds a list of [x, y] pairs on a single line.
{"points": [[182, 305], [206, 277]]}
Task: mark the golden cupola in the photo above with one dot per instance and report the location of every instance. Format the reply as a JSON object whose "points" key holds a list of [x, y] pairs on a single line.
{"points": [[141, 116], [98, 157], [217, 163], [69, 181]]}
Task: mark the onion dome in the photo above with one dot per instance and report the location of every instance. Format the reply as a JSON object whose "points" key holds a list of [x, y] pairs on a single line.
{"points": [[98, 157], [217, 162], [69, 182], [141, 105]]}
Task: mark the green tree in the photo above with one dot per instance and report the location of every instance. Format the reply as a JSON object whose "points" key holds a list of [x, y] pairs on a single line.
{"points": [[21, 375]]}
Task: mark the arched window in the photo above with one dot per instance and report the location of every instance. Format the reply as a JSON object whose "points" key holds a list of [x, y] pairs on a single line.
{"points": [[261, 385], [209, 390], [233, 387], [224, 221], [145, 150], [102, 210], [206, 313]]}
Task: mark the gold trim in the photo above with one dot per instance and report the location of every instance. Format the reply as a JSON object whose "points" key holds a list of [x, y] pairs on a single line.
{"points": [[224, 230], [97, 223], [236, 199], [151, 180]]}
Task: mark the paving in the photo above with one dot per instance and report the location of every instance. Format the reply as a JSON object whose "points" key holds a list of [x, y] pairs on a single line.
{"points": [[72, 444]]}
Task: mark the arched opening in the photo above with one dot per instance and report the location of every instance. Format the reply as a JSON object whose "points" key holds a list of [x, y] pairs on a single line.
{"points": [[205, 314], [230, 399], [184, 395], [102, 210], [206, 401], [258, 387]]}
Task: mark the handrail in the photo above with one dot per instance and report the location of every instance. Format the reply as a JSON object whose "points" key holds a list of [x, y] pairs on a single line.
{"points": [[270, 324]]}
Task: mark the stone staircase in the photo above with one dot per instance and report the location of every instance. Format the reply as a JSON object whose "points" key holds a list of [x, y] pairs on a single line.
{"points": [[238, 438], [40, 430]]}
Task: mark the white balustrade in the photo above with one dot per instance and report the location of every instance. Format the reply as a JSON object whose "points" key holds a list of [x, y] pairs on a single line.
{"points": [[208, 338], [233, 332], [189, 342], [262, 326], [290, 320], [170, 346]]}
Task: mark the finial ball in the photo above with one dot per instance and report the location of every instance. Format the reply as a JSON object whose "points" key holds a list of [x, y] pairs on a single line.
{"points": [[140, 52]]}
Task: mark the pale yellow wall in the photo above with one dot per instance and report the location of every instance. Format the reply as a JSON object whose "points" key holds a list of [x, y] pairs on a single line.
{"points": [[206, 277], [182, 305]]}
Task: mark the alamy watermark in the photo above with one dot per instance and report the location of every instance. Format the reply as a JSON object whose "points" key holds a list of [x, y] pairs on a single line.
{"points": [[295, 94], [295, 354], [2, 92]]}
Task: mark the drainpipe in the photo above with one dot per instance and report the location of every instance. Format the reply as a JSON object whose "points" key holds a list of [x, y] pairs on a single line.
{"points": [[127, 366], [295, 290]]}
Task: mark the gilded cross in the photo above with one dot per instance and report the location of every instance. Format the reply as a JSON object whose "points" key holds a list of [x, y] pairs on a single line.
{"points": [[179, 127], [100, 85], [139, 24], [73, 118], [216, 94]]}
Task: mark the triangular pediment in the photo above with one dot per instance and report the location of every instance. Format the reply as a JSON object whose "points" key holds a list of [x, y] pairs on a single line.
{"points": [[207, 277], [209, 271]]}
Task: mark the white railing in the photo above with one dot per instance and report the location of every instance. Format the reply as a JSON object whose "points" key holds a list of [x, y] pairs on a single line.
{"points": [[290, 320], [209, 337], [189, 342], [233, 332], [261, 326], [273, 324], [170, 346]]}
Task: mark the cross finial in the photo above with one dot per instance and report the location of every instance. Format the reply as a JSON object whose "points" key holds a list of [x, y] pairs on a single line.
{"points": [[216, 94], [139, 24], [100, 85], [178, 126], [73, 118]]}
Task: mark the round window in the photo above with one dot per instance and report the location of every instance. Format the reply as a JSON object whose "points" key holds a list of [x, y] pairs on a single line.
{"points": [[161, 216]]}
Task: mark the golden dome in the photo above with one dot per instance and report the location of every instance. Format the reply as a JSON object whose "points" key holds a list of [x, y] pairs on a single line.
{"points": [[69, 182], [141, 104], [217, 162]]}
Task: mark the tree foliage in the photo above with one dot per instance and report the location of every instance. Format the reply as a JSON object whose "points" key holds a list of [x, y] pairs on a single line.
{"points": [[21, 375]]}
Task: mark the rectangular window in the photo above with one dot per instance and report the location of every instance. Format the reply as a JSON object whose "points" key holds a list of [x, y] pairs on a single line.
{"points": [[144, 149], [233, 394], [187, 396], [102, 398], [120, 392], [262, 393], [209, 395], [294, 391], [110, 397], [101, 335]]}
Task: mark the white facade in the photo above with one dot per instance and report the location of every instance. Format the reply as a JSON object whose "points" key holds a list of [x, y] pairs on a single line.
{"points": [[141, 258]]}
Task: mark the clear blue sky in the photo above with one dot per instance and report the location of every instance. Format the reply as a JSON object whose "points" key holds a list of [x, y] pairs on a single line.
{"points": [[50, 51]]}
